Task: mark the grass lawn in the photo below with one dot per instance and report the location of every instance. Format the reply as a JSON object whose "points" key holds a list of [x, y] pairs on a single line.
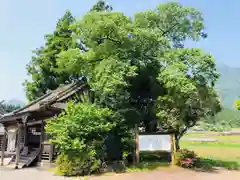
{"points": [[151, 161], [225, 152]]}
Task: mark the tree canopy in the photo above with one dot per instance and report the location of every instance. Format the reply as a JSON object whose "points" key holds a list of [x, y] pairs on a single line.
{"points": [[43, 67], [101, 6], [142, 63], [137, 66]]}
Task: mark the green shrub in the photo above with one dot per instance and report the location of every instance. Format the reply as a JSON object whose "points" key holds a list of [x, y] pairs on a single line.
{"points": [[65, 166], [73, 166], [185, 158], [79, 135]]}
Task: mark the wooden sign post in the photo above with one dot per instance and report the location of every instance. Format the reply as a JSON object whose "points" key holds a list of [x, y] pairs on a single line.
{"points": [[3, 148], [173, 148]]}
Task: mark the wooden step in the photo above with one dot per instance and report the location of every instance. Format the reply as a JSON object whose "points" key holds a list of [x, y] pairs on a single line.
{"points": [[26, 159], [45, 156]]}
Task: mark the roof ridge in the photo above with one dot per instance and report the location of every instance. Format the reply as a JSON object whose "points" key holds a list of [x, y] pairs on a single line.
{"points": [[33, 102], [77, 85], [62, 93]]}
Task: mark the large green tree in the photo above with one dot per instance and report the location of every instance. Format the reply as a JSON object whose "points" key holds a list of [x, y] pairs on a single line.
{"points": [[141, 64], [138, 66], [43, 68]]}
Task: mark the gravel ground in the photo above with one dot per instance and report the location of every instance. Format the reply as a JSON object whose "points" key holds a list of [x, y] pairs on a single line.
{"points": [[36, 174]]}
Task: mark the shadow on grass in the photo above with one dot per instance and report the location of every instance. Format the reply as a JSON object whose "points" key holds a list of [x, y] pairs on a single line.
{"points": [[151, 161], [148, 166], [212, 165]]}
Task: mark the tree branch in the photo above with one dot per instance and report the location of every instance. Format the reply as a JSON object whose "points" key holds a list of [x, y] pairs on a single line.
{"points": [[108, 38], [168, 30], [94, 61]]}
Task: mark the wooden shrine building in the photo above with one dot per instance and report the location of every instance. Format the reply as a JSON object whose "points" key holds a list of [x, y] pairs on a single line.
{"points": [[24, 141]]}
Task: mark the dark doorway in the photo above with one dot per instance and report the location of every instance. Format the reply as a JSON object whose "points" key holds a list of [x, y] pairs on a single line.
{"points": [[34, 135]]}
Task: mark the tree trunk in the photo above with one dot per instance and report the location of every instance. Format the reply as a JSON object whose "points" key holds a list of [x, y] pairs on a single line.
{"points": [[178, 137], [177, 145]]}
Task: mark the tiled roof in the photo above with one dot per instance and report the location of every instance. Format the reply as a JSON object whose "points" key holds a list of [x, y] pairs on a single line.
{"points": [[53, 97]]}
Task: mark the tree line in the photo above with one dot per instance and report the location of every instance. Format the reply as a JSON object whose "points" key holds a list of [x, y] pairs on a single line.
{"points": [[7, 108]]}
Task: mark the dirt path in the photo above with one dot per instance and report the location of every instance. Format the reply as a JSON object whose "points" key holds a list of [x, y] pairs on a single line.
{"points": [[184, 175], [35, 174]]}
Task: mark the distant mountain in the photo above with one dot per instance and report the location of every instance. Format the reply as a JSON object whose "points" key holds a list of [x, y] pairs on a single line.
{"points": [[16, 102], [228, 85]]}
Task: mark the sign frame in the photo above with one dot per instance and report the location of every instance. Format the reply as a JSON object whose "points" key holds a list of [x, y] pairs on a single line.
{"points": [[150, 142], [137, 148]]}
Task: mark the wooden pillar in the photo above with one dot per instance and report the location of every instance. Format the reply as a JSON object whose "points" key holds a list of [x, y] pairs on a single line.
{"points": [[25, 133], [18, 145], [137, 157], [41, 141], [51, 153], [3, 148], [173, 149]]}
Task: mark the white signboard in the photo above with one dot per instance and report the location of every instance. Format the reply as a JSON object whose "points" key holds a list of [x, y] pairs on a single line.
{"points": [[155, 142]]}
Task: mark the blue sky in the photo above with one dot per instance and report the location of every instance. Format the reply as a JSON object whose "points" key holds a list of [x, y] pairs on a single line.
{"points": [[24, 23]]}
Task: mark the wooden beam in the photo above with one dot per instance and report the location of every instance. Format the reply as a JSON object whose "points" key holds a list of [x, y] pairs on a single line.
{"points": [[51, 153], [3, 148], [59, 105], [41, 141], [24, 131], [14, 117], [38, 116], [34, 123]]}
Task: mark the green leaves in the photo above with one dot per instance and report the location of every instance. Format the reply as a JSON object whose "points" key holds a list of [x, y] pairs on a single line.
{"points": [[173, 21], [79, 134], [101, 6], [188, 76], [138, 65], [237, 104], [43, 68], [80, 125], [141, 64]]}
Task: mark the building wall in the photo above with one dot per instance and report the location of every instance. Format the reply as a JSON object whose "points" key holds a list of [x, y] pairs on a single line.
{"points": [[12, 137]]}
